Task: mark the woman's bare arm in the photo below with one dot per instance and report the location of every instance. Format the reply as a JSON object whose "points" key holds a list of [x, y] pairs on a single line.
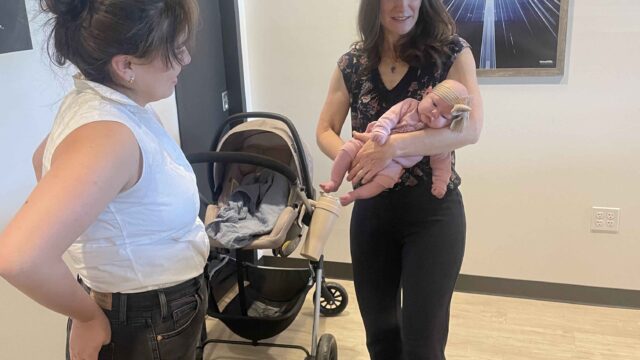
{"points": [[36, 160], [332, 117], [89, 168]]}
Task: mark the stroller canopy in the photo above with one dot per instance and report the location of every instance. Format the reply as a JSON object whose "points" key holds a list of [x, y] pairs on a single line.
{"points": [[267, 137]]}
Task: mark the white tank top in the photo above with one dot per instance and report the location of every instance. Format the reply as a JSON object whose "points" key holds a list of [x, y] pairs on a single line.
{"points": [[150, 235]]}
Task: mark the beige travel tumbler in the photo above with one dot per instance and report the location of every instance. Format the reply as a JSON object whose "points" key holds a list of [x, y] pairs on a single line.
{"points": [[327, 210]]}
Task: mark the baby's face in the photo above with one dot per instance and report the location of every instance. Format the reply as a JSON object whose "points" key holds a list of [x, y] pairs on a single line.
{"points": [[431, 107]]}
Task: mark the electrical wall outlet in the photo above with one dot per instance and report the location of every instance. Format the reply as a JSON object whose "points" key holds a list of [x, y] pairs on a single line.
{"points": [[604, 219]]}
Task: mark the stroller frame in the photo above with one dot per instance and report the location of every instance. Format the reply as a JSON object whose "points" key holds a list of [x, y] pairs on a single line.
{"points": [[331, 293]]}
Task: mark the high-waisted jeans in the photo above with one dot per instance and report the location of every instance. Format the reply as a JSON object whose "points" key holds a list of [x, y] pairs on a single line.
{"points": [[163, 324], [407, 239]]}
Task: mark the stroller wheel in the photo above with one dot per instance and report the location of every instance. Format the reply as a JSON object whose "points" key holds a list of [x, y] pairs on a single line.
{"points": [[335, 302], [327, 348]]}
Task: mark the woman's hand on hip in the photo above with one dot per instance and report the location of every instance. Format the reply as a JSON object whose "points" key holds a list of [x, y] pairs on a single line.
{"points": [[87, 337], [370, 159]]}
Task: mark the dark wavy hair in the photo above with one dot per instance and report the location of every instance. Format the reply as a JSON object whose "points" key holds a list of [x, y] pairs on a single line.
{"points": [[89, 33], [426, 42]]}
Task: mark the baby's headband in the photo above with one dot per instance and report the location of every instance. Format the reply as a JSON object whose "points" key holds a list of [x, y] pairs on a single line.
{"points": [[447, 94]]}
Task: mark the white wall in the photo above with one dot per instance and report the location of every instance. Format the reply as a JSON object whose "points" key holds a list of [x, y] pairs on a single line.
{"points": [[550, 150], [30, 92]]}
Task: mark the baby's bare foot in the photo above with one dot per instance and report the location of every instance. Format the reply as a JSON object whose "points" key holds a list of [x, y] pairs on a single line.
{"points": [[329, 186]]}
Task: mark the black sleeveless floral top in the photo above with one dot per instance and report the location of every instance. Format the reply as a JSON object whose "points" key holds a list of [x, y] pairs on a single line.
{"points": [[370, 99]]}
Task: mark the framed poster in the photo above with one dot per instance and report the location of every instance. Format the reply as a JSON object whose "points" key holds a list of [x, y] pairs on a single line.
{"points": [[513, 37], [14, 27]]}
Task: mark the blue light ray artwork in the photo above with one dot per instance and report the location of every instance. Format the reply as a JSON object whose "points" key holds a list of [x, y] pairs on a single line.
{"points": [[513, 34]]}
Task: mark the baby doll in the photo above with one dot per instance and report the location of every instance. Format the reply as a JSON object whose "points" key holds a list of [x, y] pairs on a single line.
{"points": [[444, 105]]}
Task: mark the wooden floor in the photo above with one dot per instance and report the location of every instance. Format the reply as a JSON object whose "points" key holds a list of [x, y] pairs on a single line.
{"points": [[482, 327]]}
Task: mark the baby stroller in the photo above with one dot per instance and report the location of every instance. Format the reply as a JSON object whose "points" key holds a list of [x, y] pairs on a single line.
{"points": [[264, 301]]}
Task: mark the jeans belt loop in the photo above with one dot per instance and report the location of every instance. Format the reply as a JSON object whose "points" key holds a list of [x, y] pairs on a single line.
{"points": [[163, 304], [123, 308]]}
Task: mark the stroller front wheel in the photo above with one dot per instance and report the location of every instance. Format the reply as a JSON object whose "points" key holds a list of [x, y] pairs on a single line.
{"points": [[327, 348], [335, 301]]}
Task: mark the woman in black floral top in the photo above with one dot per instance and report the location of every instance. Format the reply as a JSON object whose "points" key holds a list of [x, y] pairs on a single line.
{"points": [[404, 238]]}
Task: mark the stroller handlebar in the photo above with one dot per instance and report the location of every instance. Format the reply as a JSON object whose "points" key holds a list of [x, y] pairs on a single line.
{"points": [[243, 158]]}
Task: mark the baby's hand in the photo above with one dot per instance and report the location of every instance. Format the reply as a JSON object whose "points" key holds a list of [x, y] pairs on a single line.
{"points": [[364, 137], [378, 137]]}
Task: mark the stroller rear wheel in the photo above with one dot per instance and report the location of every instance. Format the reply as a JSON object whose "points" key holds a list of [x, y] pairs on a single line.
{"points": [[327, 348], [334, 301]]}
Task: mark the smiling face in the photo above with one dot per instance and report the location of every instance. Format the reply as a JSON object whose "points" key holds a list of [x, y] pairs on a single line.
{"points": [[399, 16]]}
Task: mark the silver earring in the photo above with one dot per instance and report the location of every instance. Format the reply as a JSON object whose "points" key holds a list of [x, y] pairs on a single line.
{"points": [[131, 79]]}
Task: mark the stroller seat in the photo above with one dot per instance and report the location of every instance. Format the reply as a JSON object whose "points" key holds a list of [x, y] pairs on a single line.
{"points": [[266, 138]]}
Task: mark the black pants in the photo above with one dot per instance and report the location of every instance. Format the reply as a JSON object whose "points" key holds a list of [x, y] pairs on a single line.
{"points": [[407, 239], [162, 324]]}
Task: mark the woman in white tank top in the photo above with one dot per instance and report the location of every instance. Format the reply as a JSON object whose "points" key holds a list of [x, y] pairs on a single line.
{"points": [[115, 192]]}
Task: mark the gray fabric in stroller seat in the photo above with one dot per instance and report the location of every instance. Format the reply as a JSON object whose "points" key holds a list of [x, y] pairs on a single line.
{"points": [[252, 210]]}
